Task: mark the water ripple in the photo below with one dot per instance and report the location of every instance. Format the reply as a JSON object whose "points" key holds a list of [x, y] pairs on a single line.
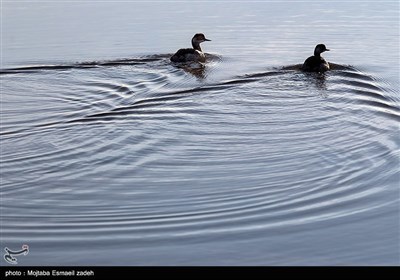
{"points": [[165, 157]]}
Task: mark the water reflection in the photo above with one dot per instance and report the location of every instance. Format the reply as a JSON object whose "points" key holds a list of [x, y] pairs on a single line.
{"points": [[196, 69], [319, 80]]}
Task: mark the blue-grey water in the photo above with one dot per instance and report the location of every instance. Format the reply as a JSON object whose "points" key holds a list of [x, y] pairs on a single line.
{"points": [[111, 155]]}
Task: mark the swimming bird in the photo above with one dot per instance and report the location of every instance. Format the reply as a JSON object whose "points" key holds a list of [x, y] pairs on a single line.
{"points": [[189, 55], [316, 63]]}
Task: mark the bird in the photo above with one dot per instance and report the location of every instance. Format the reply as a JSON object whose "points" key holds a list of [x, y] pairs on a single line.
{"points": [[316, 63], [195, 54]]}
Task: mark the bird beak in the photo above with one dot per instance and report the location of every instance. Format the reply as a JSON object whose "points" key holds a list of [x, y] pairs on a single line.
{"points": [[327, 50], [206, 39]]}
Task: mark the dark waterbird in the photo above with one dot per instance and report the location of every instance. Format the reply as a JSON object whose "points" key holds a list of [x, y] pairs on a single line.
{"points": [[195, 54], [316, 63]]}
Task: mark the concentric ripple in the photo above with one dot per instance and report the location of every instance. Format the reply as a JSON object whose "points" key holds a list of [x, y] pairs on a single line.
{"points": [[120, 155]]}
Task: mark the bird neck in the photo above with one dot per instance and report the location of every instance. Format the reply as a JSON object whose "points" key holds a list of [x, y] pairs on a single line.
{"points": [[317, 54], [196, 46]]}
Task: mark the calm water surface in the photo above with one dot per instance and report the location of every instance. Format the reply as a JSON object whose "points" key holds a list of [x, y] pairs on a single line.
{"points": [[111, 155]]}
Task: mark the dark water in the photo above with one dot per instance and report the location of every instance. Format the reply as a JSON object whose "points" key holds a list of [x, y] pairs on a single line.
{"points": [[122, 158]]}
